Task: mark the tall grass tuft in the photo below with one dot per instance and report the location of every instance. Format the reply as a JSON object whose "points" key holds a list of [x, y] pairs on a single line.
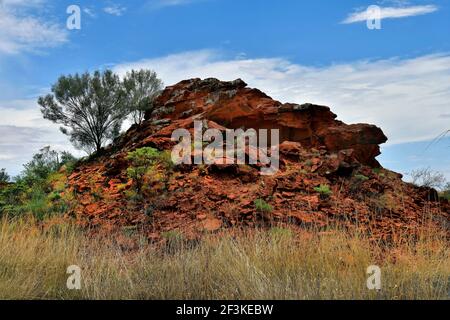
{"points": [[258, 264]]}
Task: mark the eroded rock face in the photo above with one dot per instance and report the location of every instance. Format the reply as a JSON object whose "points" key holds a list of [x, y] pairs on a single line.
{"points": [[233, 105], [328, 172]]}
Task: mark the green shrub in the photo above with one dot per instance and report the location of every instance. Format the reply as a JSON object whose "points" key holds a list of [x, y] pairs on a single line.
{"points": [[54, 196], [308, 163], [142, 160], [361, 177], [4, 177], [262, 206], [37, 205], [446, 195], [323, 189], [378, 171], [37, 190], [11, 197], [165, 159]]}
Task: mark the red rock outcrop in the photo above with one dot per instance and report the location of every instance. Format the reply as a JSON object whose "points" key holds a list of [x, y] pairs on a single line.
{"points": [[234, 105], [328, 172]]}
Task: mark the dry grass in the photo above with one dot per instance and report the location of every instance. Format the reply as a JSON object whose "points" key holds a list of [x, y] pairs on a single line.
{"points": [[259, 265]]}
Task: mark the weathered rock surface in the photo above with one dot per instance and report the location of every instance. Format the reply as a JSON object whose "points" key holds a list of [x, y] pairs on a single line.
{"points": [[233, 105], [316, 150]]}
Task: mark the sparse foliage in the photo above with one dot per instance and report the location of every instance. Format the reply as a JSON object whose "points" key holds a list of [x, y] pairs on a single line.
{"points": [[90, 108], [446, 191], [361, 177], [323, 189], [426, 177], [37, 190], [141, 89], [45, 162], [141, 161], [4, 177], [262, 206]]}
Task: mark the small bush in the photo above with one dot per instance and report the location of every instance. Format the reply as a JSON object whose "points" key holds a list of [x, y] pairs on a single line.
{"points": [[33, 202], [45, 163], [133, 195], [165, 158], [361, 177], [141, 161], [378, 171], [262, 206], [54, 196], [323, 189], [11, 198], [4, 177]]}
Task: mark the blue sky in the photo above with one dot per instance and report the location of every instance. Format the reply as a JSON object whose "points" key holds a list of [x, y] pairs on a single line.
{"points": [[397, 77]]}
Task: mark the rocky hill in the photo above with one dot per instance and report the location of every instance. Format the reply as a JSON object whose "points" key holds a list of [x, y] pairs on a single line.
{"points": [[328, 172]]}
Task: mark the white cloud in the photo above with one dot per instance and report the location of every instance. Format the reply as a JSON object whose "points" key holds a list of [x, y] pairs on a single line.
{"points": [[157, 4], [90, 12], [30, 3], [23, 132], [391, 13], [115, 10], [405, 97], [408, 98], [20, 31]]}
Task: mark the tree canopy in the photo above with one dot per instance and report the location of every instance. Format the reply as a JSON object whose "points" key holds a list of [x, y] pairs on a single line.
{"points": [[4, 177], [142, 87], [90, 108], [45, 162]]}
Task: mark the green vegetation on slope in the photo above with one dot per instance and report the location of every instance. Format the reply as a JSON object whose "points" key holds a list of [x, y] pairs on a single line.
{"points": [[40, 189]]}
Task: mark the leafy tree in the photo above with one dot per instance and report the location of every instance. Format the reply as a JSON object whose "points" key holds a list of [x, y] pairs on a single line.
{"points": [[90, 108], [142, 87], [4, 177], [12, 197], [66, 157], [42, 164], [45, 162], [68, 160]]}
